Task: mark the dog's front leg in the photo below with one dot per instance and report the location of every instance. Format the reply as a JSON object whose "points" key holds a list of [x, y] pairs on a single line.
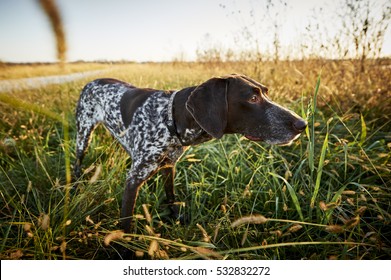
{"points": [[168, 178], [168, 175]]}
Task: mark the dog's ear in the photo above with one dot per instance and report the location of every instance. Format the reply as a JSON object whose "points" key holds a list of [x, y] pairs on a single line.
{"points": [[209, 106]]}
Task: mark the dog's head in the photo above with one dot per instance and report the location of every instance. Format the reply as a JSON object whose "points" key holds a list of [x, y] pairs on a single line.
{"points": [[238, 104]]}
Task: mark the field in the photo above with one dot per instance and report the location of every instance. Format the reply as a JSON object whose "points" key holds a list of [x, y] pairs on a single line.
{"points": [[327, 196]]}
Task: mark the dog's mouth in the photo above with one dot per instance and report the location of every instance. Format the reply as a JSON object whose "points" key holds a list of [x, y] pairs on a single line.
{"points": [[285, 142], [289, 142]]}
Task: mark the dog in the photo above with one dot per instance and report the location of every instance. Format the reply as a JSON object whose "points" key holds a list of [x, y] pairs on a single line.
{"points": [[155, 126]]}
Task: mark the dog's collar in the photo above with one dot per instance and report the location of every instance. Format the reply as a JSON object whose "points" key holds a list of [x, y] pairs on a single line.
{"points": [[170, 119]]}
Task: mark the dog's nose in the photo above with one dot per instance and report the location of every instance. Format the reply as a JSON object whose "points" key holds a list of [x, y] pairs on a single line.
{"points": [[300, 125]]}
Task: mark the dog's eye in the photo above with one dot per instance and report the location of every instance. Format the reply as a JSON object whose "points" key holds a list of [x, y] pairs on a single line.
{"points": [[254, 98]]}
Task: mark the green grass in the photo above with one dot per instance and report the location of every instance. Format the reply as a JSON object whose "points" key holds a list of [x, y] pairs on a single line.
{"points": [[326, 196]]}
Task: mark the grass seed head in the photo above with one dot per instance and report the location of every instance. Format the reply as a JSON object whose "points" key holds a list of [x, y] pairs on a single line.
{"points": [[208, 253], [150, 230], [360, 211], [96, 175], [295, 228], [252, 219], [44, 221], [89, 220], [247, 192], [323, 206], [162, 254], [112, 236], [223, 208], [139, 254], [278, 233], [334, 229], [147, 215], [153, 248], [109, 200], [352, 222], [27, 227], [287, 175], [138, 217], [63, 246], [97, 225], [350, 201], [29, 186], [205, 236], [380, 217], [349, 192]]}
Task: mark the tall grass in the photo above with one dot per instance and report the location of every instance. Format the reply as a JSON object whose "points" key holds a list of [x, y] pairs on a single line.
{"points": [[326, 196]]}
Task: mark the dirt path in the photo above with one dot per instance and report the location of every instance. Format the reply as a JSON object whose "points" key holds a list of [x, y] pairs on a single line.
{"points": [[36, 82]]}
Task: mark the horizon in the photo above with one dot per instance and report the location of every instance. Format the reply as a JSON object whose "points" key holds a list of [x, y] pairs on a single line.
{"points": [[385, 58]]}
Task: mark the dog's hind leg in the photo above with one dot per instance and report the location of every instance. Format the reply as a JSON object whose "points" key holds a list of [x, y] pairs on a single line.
{"points": [[140, 171], [84, 131], [137, 175]]}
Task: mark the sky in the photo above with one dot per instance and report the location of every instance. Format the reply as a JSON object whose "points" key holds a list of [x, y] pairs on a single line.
{"points": [[140, 30]]}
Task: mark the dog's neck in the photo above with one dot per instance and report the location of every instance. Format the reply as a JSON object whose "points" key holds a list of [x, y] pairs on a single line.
{"points": [[188, 130]]}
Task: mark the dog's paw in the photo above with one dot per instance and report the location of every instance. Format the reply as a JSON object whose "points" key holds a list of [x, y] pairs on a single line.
{"points": [[177, 213]]}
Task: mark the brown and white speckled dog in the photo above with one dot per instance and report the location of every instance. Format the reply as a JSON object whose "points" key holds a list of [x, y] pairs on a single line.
{"points": [[155, 126]]}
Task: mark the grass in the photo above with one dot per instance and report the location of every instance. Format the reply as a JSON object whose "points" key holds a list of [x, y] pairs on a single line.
{"points": [[327, 196]]}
